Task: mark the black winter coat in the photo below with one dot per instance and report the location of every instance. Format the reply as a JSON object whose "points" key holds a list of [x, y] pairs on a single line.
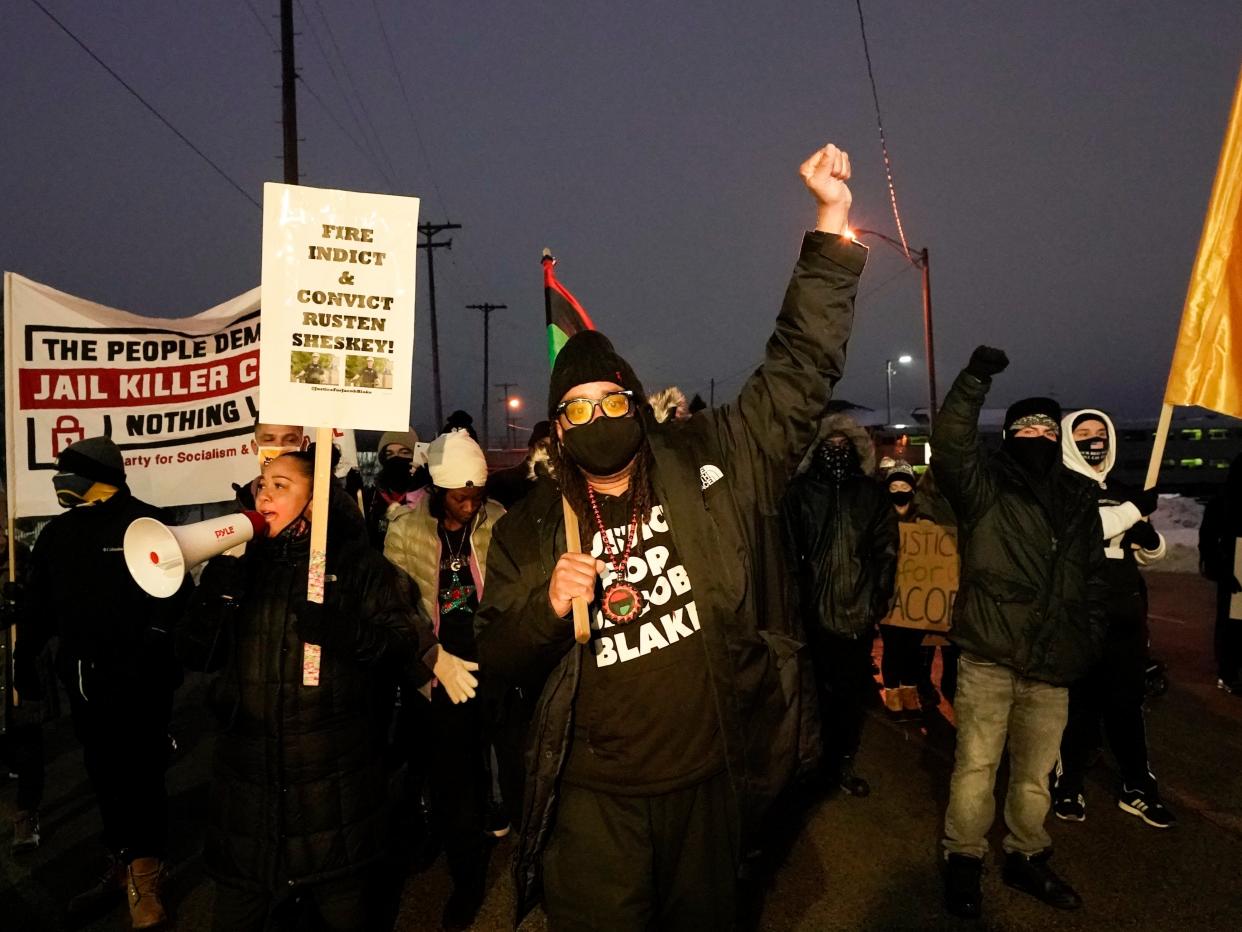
{"points": [[1033, 595], [112, 634], [720, 477], [846, 539], [298, 791]]}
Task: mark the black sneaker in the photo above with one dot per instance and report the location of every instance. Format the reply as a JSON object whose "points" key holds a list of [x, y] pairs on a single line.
{"points": [[851, 782], [1070, 808], [1147, 806], [963, 893], [495, 822], [1033, 875]]}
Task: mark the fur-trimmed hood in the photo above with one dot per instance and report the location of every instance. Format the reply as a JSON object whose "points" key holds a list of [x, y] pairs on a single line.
{"points": [[857, 434], [669, 404]]}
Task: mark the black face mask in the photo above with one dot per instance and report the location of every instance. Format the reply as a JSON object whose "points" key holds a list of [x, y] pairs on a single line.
{"points": [[835, 461], [605, 446], [395, 474], [1094, 455], [71, 489], [1037, 455], [901, 498]]}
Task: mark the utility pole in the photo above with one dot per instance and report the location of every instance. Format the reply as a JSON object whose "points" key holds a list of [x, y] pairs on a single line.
{"points": [[288, 94], [487, 314], [509, 436], [431, 230], [712, 395], [929, 341]]}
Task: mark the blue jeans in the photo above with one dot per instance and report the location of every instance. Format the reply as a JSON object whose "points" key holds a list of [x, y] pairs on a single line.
{"points": [[995, 703]]}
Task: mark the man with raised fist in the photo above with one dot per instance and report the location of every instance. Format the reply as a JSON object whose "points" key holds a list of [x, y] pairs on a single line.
{"points": [[1029, 620]]}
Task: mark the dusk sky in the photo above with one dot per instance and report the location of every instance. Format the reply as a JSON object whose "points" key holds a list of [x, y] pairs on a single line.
{"points": [[1056, 158]]}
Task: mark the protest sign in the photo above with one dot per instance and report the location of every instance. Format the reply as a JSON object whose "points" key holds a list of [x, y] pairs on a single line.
{"points": [[178, 396], [927, 574], [338, 307]]}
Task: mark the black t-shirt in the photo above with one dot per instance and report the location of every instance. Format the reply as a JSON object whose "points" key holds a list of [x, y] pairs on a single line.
{"points": [[645, 719], [457, 595]]}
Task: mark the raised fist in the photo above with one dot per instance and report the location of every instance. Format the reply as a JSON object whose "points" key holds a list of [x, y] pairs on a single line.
{"points": [[1146, 501], [987, 361], [825, 174]]}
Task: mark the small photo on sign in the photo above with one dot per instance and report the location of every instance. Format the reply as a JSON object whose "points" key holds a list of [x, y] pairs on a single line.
{"points": [[368, 371], [314, 368]]}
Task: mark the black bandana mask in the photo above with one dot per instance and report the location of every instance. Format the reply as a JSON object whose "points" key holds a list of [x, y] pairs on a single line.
{"points": [[1093, 454], [395, 473], [605, 446], [901, 498], [71, 489], [835, 461], [1036, 455]]}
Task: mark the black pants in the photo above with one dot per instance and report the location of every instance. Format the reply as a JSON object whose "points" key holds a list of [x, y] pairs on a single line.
{"points": [[460, 786], [335, 905], [23, 753], [906, 662], [1228, 637], [845, 686], [1111, 695], [638, 863], [123, 729], [508, 715]]}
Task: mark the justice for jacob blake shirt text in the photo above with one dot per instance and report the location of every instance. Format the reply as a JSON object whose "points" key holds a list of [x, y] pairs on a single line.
{"points": [[645, 718]]}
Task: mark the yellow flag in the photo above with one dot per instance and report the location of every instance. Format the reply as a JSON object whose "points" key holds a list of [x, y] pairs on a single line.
{"points": [[1207, 362]]}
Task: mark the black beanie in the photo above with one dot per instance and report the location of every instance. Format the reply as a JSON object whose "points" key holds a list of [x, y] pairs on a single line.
{"points": [[1032, 407], [95, 458], [588, 356]]}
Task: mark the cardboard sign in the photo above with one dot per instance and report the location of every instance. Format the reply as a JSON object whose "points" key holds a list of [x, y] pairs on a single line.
{"points": [[338, 318], [927, 574], [177, 395]]}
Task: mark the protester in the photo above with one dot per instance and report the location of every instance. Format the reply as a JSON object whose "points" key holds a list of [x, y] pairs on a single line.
{"points": [[905, 667], [844, 534], [510, 486], [658, 749], [397, 484], [441, 541], [1218, 540], [115, 659], [297, 812], [1112, 693], [460, 420], [1029, 619]]}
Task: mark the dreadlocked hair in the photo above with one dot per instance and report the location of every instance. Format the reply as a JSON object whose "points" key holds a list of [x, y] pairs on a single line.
{"points": [[573, 486]]}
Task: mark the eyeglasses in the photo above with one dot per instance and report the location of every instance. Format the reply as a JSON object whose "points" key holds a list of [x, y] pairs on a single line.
{"points": [[579, 411]]}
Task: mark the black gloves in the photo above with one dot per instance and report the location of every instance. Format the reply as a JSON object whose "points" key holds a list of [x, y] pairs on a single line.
{"points": [[1145, 500], [987, 361], [224, 578], [320, 624], [1142, 534]]}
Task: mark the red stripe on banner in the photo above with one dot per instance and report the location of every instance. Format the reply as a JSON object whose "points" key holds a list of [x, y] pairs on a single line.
{"points": [[550, 281], [97, 387]]}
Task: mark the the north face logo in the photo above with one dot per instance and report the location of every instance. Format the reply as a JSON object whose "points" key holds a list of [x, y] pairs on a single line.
{"points": [[709, 475]]}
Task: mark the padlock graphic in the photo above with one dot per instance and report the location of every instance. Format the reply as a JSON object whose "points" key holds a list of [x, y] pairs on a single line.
{"points": [[67, 430]]}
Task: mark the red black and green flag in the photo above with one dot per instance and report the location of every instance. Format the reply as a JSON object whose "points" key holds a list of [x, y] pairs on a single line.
{"points": [[565, 315]]}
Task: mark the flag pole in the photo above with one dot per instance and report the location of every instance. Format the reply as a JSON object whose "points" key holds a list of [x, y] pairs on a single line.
{"points": [[1157, 449]]}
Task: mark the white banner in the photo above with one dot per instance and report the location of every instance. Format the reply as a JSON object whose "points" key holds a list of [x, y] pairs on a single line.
{"points": [[179, 396], [338, 307]]}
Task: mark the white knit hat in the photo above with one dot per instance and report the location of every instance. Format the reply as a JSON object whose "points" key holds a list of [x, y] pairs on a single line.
{"points": [[456, 461]]}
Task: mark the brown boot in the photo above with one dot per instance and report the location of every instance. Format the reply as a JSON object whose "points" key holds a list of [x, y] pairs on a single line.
{"points": [[910, 698], [145, 909]]}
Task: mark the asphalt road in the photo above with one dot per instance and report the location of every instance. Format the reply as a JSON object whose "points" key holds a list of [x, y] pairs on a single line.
{"points": [[855, 864]]}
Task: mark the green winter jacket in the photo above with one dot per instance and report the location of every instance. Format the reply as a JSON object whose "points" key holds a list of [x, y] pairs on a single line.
{"points": [[1033, 594], [720, 477]]}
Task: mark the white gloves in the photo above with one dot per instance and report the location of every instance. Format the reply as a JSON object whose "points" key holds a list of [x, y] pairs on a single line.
{"points": [[453, 673]]}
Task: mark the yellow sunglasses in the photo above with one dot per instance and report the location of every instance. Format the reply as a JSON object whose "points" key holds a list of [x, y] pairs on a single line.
{"points": [[579, 411]]}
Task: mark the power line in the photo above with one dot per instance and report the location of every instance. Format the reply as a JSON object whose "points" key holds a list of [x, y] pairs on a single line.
{"points": [[362, 104], [888, 165], [409, 109], [262, 25], [159, 116]]}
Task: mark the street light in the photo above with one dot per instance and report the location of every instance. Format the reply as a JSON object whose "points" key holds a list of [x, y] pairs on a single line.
{"points": [[920, 261], [905, 359]]}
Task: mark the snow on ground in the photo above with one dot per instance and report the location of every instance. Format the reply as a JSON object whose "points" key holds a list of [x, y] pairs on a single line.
{"points": [[1178, 519]]}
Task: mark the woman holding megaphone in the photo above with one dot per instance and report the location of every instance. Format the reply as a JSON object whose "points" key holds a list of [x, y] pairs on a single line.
{"points": [[296, 821]]}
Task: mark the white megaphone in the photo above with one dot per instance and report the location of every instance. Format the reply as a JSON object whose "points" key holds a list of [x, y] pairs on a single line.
{"points": [[159, 556]]}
